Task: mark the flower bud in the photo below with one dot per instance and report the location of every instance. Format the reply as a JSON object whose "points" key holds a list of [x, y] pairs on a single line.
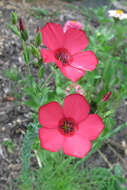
{"points": [[34, 51], [23, 31], [78, 89], [14, 18], [24, 35], [37, 29], [72, 24], [38, 39], [107, 96], [21, 25], [67, 91]]}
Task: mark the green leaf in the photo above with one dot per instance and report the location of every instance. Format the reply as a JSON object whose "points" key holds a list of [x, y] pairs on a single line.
{"points": [[59, 91], [24, 35], [10, 145], [34, 98], [118, 170], [13, 74], [31, 104]]}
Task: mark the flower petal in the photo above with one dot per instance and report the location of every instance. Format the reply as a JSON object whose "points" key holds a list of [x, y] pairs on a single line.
{"points": [[91, 127], [70, 72], [76, 146], [52, 36], [50, 115], [47, 55], [85, 60], [76, 107], [75, 40], [50, 139]]}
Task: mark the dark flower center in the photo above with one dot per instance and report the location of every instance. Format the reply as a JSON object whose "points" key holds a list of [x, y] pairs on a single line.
{"points": [[63, 55], [67, 127]]}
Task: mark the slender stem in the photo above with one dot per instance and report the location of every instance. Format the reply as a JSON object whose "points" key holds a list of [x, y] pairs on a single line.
{"points": [[48, 78], [38, 159], [28, 65]]}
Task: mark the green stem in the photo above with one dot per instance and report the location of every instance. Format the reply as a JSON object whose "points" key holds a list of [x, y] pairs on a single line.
{"points": [[48, 78], [28, 65]]}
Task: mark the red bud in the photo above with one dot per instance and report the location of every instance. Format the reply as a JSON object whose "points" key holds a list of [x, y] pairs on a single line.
{"points": [[37, 29], [21, 25], [107, 96]]}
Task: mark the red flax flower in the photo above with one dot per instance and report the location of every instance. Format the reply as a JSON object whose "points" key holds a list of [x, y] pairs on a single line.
{"points": [[71, 128], [64, 48]]}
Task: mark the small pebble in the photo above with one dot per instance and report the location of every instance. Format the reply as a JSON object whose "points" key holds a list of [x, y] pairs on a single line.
{"points": [[3, 129], [19, 121], [6, 90]]}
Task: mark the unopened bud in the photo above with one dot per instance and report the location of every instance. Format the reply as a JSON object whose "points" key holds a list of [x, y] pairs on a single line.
{"points": [[14, 18], [107, 96], [37, 29], [21, 25], [24, 35], [38, 39], [78, 89], [34, 51], [67, 91], [23, 31], [72, 24]]}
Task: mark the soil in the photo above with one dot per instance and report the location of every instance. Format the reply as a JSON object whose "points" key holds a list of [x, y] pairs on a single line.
{"points": [[14, 116]]}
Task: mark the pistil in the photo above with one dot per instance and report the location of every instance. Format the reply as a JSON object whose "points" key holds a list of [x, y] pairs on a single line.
{"points": [[63, 55], [67, 127]]}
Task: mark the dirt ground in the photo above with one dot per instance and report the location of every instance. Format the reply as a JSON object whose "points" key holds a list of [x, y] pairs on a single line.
{"points": [[14, 117]]}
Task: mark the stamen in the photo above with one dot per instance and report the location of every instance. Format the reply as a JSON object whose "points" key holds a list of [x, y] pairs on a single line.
{"points": [[119, 11], [74, 21], [67, 127], [63, 55]]}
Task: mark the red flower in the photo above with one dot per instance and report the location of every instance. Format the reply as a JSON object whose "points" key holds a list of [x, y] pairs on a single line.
{"points": [[70, 128], [65, 50]]}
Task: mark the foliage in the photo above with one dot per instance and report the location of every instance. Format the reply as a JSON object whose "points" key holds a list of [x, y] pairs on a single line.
{"points": [[26, 155], [10, 145]]}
